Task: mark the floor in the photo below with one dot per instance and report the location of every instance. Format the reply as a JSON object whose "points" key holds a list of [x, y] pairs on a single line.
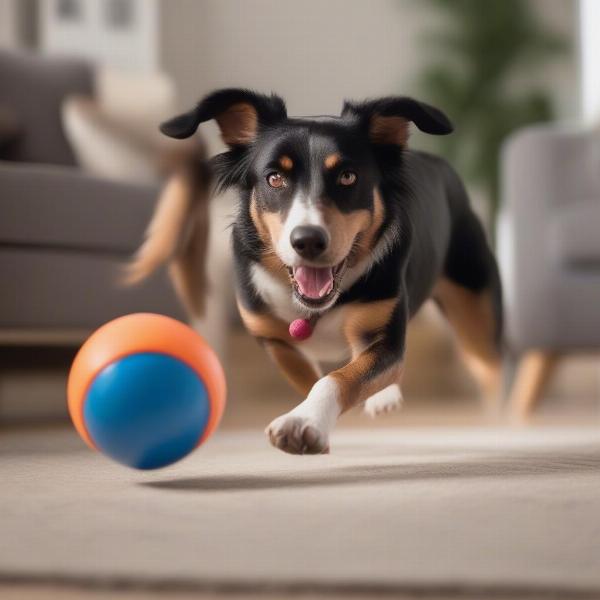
{"points": [[421, 512], [444, 499], [81, 592]]}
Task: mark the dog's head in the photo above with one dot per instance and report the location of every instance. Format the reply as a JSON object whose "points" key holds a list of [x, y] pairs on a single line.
{"points": [[312, 184]]}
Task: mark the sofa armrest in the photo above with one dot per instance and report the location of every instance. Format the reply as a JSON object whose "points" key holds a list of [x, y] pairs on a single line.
{"points": [[546, 166], [546, 171], [47, 205]]}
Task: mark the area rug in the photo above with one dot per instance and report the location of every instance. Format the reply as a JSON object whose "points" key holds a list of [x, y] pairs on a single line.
{"points": [[472, 513]]}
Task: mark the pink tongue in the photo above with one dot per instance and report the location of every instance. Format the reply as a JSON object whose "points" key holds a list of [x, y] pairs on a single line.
{"points": [[313, 282]]}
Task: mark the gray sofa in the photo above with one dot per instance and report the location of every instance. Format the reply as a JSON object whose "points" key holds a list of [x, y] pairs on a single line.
{"points": [[549, 249], [64, 234]]}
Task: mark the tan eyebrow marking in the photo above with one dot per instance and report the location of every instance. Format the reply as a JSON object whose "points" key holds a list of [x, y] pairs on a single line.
{"points": [[286, 163], [332, 160]]}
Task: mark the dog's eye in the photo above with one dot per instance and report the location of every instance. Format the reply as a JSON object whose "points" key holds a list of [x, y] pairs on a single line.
{"points": [[347, 178], [276, 180]]}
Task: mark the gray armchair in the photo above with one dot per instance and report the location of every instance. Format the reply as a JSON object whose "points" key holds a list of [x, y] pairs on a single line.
{"points": [[63, 233], [549, 249]]}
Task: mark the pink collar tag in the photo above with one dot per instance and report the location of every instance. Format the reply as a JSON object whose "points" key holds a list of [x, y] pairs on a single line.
{"points": [[301, 329]]}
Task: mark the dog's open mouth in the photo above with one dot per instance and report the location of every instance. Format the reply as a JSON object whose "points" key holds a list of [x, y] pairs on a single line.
{"points": [[316, 286]]}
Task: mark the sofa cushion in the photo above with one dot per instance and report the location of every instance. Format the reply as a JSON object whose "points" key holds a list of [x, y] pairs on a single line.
{"points": [[34, 88], [61, 207], [104, 147], [10, 129], [59, 289], [114, 134], [575, 234]]}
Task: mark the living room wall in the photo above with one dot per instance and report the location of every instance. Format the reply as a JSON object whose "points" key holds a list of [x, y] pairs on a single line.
{"points": [[327, 51]]}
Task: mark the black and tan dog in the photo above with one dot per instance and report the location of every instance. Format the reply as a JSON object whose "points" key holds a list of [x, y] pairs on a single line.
{"points": [[341, 232]]}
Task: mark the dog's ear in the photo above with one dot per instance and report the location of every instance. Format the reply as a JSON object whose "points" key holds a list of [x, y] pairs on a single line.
{"points": [[239, 113], [386, 120]]}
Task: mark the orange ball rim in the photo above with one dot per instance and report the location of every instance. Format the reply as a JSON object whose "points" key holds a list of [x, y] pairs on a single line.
{"points": [[145, 332]]}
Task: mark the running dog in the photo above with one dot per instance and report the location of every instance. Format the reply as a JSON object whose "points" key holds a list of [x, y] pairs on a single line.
{"points": [[342, 233]]}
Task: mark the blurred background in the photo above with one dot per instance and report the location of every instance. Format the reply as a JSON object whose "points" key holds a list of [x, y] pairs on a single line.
{"points": [[84, 84]]}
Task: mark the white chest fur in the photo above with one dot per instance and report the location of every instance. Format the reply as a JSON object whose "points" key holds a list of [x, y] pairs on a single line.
{"points": [[327, 343]]}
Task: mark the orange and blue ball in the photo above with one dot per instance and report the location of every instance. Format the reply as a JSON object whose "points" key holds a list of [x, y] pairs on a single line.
{"points": [[146, 390]]}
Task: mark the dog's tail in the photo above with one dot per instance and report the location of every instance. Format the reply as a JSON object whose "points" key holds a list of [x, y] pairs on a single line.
{"points": [[178, 232]]}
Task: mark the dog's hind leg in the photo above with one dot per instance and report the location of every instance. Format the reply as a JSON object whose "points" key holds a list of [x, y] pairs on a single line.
{"points": [[384, 401], [470, 296]]}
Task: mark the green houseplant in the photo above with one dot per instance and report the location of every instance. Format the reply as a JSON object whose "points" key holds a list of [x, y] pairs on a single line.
{"points": [[482, 58]]}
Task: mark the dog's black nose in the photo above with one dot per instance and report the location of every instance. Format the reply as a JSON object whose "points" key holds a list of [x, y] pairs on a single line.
{"points": [[309, 241]]}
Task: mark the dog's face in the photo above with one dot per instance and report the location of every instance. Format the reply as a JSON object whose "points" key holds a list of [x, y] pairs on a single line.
{"points": [[311, 183], [313, 202]]}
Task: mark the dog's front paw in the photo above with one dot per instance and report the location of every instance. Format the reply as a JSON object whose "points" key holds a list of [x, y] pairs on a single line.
{"points": [[297, 435], [384, 401]]}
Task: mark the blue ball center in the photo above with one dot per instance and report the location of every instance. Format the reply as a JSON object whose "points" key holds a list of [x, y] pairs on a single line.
{"points": [[146, 410]]}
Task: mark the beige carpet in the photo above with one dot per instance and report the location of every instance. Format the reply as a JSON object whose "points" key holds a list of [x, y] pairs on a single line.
{"points": [[419, 513]]}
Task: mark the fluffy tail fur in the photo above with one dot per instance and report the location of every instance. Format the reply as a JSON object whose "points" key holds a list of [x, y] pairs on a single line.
{"points": [[178, 233]]}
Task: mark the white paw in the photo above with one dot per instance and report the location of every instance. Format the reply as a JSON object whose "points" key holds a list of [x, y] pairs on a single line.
{"points": [[298, 435], [384, 401], [305, 430]]}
